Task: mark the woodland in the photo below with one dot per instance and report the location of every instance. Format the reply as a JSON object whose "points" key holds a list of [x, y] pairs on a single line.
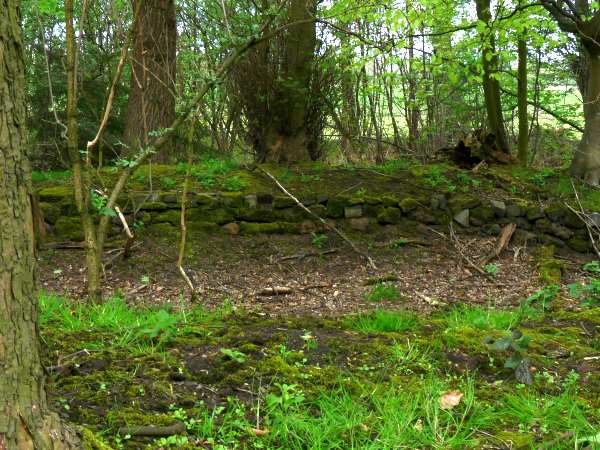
{"points": [[299, 224]]}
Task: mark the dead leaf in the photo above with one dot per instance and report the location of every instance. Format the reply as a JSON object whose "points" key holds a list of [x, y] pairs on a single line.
{"points": [[450, 399], [259, 431]]}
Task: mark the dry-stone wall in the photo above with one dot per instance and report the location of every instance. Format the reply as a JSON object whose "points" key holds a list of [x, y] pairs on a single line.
{"points": [[268, 213]]}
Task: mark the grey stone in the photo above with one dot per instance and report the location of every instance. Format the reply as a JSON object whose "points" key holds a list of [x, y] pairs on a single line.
{"points": [[251, 200], [360, 224], [492, 229], [499, 207], [353, 212], [462, 218], [514, 210], [561, 232]]}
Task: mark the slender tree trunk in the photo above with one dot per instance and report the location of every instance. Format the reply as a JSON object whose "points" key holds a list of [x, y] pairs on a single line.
{"points": [[491, 86], [25, 418], [81, 173], [522, 101], [151, 105]]}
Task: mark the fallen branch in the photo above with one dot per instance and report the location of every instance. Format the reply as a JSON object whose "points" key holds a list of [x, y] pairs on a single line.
{"points": [[275, 290], [303, 255], [320, 219], [501, 243], [151, 430]]}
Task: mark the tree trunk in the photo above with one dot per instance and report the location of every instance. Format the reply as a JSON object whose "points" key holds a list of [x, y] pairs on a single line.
{"points": [[151, 105], [522, 101], [491, 87], [586, 161], [25, 419]]}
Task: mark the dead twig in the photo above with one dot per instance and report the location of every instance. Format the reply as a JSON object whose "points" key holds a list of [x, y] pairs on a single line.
{"points": [[320, 219], [151, 430], [275, 290], [458, 247]]}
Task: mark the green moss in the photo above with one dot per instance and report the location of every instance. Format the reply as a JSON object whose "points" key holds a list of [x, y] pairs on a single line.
{"points": [[580, 244], [89, 441], [259, 228], [408, 204], [69, 228], [172, 216], [389, 216], [335, 207], [484, 213], [55, 194], [161, 229], [218, 216], [51, 211], [461, 202], [198, 226], [549, 268], [154, 206], [283, 202]]}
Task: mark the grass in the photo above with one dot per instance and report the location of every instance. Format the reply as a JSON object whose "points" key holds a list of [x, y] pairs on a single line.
{"points": [[378, 392], [382, 292], [481, 318], [382, 321]]}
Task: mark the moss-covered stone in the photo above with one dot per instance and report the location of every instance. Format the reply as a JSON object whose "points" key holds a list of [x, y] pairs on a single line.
{"points": [[259, 228], [219, 216], [161, 229], [51, 211], [549, 268], [199, 226], [483, 213], [580, 244], [56, 194], [335, 207], [389, 216], [172, 216], [408, 204], [460, 202], [231, 199], [154, 206], [69, 228], [281, 201]]}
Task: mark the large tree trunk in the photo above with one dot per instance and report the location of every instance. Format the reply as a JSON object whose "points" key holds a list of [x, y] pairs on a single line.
{"points": [[151, 106], [25, 419], [491, 86], [586, 161]]}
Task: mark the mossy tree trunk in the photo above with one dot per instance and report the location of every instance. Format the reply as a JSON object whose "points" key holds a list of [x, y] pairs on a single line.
{"points": [[26, 421], [491, 86]]}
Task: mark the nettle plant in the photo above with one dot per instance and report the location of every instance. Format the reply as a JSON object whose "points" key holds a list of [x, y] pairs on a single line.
{"points": [[516, 345]]}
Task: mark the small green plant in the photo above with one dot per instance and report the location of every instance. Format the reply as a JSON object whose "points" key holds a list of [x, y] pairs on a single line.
{"points": [[310, 340], [167, 183], [172, 441], [398, 243], [288, 397], [543, 297], [319, 240], [234, 184], [383, 291], [161, 330], [99, 204], [540, 178], [234, 355], [587, 293], [592, 267], [491, 269], [516, 345], [361, 192]]}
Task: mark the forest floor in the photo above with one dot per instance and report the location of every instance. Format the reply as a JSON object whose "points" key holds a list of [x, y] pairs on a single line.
{"points": [[422, 352]]}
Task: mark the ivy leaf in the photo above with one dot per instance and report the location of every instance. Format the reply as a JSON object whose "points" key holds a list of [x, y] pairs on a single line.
{"points": [[503, 343], [108, 212], [513, 362]]}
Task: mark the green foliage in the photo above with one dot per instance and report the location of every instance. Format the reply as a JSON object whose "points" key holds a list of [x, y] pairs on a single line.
{"points": [[592, 267], [383, 291], [234, 184], [167, 183], [51, 176], [99, 204]]}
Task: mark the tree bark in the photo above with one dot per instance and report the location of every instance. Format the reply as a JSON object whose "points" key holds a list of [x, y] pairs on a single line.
{"points": [[151, 104], [491, 86], [26, 421], [586, 161], [522, 101]]}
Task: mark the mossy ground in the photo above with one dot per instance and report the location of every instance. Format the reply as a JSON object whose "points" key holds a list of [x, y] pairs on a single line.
{"points": [[239, 379]]}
